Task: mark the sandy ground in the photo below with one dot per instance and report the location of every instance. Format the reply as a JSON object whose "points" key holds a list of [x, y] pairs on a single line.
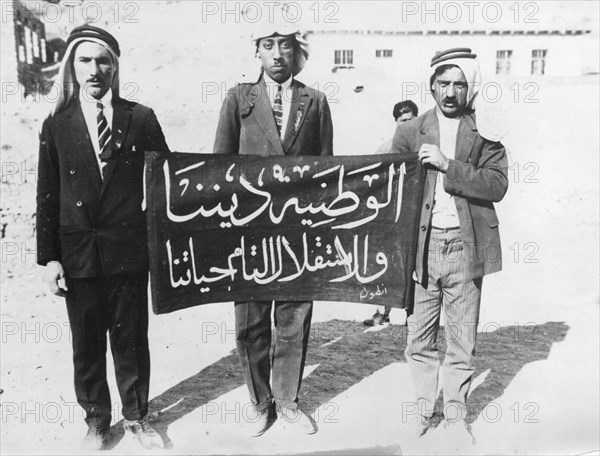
{"points": [[536, 387]]}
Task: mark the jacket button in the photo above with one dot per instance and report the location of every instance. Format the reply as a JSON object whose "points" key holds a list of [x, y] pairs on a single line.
{"points": [[423, 228], [72, 172], [427, 206], [79, 204]]}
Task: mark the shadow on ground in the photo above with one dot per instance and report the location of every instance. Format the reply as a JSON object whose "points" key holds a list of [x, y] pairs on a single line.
{"points": [[346, 355]]}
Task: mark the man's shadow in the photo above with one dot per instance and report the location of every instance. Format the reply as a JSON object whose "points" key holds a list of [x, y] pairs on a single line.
{"points": [[502, 350], [346, 355]]}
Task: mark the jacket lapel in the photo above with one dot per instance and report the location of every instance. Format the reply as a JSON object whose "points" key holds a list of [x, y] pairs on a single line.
{"points": [[430, 134], [264, 115], [83, 148], [430, 130], [301, 101], [119, 129], [465, 139]]}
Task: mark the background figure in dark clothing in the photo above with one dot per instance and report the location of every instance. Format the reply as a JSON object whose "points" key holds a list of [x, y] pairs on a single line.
{"points": [[403, 111]]}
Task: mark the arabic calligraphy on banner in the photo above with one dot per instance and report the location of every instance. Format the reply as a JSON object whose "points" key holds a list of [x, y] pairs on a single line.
{"points": [[238, 228]]}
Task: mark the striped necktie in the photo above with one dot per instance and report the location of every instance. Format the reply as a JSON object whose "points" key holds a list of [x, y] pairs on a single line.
{"points": [[278, 109], [103, 131]]}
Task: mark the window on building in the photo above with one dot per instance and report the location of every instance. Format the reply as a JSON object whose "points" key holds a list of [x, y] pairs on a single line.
{"points": [[538, 61], [385, 53], [36, 44], [43, 49], [503, 61], [21, 53], [28, 45], [343, 57]]}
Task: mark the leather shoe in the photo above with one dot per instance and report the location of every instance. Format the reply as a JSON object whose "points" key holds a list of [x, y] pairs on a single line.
{"points": [[144, 433], [296, 419], [417, 426], [260, 423], [455, 434], [95, 439]]}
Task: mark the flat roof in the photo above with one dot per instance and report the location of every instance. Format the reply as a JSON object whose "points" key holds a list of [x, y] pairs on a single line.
{"points": [[451, 32]]}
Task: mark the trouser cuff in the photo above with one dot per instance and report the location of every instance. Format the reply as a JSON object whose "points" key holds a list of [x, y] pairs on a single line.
{"points": [[99, 421], [281, 404], [455, 411], [264, 405], [135, 415]]}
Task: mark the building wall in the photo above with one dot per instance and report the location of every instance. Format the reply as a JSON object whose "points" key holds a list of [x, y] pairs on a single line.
{"points": [[412, 53], [30, 47]]}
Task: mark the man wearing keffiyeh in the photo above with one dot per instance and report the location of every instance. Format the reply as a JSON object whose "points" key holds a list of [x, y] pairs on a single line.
{"points": [[458, 242], [277, 115], [91, 229]]}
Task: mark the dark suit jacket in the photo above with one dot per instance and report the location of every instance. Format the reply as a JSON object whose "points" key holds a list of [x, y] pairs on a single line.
{"points": [[247, 125], [94, 227], [477, 178]]}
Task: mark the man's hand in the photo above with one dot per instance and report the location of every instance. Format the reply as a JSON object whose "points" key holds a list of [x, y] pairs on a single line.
{"points": [[431, 154], [55, 278]]}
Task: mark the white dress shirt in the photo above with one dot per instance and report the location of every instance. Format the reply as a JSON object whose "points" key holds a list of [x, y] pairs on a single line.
{"points": [[444, 208], [90, 114], [286, 98]]}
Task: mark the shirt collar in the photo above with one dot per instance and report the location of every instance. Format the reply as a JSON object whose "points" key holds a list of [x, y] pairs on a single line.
{"points": [[87, 100], [284, 85], [443, 119]]}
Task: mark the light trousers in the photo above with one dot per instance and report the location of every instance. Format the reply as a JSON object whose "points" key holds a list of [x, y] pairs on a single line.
{"points": [[448, 289]]}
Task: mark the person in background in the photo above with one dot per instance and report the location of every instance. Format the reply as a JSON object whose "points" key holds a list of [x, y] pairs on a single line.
{"points": [[403, 111]]}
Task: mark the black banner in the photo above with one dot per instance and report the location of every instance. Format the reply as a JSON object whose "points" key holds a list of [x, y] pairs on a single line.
{"points": [[239, 228]]}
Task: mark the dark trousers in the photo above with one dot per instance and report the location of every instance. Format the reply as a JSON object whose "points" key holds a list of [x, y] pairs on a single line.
{"points": [[117, 304], [253, 338]]}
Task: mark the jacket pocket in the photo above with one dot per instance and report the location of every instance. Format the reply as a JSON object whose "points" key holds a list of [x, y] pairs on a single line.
{"points": [[491, 218], [73, 229]]}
